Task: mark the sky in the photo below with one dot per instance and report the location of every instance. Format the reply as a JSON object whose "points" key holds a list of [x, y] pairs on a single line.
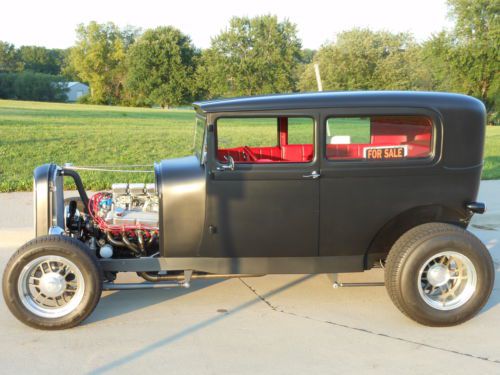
{"points": [[52, 23]]}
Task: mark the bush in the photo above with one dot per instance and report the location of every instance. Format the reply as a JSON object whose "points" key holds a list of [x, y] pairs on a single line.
{"points": [[7, 81], [32, 86], [84, 99], [494, 118]]}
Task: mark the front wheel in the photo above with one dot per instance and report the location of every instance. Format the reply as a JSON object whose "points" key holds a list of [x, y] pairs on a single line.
{"points": [[439, 274], [52, 282]]}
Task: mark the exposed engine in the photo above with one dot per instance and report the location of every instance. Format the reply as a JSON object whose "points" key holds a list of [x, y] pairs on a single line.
{"points": [[124, 222], [126, 219], [131, 205]]}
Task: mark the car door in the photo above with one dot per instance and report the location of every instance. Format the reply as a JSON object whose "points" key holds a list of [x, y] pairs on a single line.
{"points": [[262, 207]]}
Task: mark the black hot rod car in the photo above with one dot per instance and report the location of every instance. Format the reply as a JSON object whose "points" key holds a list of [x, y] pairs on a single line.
{"points": [[299, 183]]}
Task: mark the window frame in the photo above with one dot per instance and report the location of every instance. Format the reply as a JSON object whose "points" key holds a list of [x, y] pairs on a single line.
{"points": [[436, 137], [202, 153], [275, 115]]}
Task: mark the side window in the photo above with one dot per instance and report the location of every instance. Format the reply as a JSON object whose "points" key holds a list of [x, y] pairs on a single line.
{"points": [[300, 131], [252, 132], [378, 137], [265, 140]]}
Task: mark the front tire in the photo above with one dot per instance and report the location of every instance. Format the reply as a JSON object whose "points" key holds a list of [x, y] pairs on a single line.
{"points": [[52, 282], [439, 274]]}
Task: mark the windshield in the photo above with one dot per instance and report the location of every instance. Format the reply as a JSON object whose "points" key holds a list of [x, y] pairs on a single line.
{"points": [[199, 138]]}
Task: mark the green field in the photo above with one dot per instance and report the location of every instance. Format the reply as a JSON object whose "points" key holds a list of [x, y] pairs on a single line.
{"points": [[33, 133]]}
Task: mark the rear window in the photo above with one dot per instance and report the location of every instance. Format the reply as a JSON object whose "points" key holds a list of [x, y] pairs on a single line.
{"points": [[378, 138]]}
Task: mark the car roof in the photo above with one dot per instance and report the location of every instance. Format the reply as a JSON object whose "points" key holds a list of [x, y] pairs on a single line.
{"points": [[332, 99]]}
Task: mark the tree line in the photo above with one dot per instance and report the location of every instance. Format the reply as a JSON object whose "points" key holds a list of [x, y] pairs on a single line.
{"points": [[263, 55], [32, 73]]}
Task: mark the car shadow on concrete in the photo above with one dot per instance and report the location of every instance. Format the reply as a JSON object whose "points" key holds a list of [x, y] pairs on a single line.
{"points": [[123, 302], [490, 235], [124, 360], [494, 299], [495, 294]]}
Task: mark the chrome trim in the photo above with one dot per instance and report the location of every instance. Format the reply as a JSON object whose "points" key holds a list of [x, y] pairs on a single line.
{"points": [[476, 207], [41, 181], [51, 286], [146, 285], [226, 167], [184, 283], [314, 175], [447, 280]]}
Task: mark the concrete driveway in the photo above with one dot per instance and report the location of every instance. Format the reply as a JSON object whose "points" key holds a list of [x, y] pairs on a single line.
{"points": [[272, 325]]}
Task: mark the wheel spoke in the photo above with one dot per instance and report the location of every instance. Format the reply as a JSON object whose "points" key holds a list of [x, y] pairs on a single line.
{"points": [[33, 280], [41, 299], [70, 288], [66, 271], [51, 286], [456, 281]]}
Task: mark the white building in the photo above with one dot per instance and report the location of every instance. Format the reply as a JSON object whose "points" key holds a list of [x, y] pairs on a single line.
{"points": [[75, 90]]}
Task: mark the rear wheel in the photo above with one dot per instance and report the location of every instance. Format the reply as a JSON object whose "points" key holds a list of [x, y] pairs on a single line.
{"points": [[52, 282], [439, 274]]}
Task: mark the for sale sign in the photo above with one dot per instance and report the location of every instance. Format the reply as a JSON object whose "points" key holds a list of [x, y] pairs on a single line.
{"points": [[385, 152]]}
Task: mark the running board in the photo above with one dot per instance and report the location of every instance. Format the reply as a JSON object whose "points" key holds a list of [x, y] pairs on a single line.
{"points": [[336, 283]]}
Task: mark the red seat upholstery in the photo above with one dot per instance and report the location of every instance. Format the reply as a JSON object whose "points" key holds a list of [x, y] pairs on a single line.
{"points": [[286, 154], [297, 153]]}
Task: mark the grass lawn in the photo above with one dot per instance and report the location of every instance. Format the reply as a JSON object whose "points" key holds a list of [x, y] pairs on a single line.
{"points": [[33, 133]]}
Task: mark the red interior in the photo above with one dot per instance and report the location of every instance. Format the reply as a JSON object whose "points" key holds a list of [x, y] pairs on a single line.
{"points": [[413, 131], [284, 154]]}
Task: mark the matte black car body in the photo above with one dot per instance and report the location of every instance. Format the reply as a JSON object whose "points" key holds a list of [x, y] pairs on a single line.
{"points": [[270, 218]]}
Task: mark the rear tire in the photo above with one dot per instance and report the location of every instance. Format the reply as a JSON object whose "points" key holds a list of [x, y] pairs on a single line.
{"points": [[439, 274], [52, 282]]}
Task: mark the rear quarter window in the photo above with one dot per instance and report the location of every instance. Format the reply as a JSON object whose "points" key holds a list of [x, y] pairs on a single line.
{"points": [[379, 138]]}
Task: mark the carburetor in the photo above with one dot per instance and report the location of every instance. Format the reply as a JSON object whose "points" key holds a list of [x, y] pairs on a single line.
{"points": [[134, 204]]}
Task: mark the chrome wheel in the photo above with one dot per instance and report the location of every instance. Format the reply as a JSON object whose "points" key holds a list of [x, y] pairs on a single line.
{"points": [[447, 280], [51, 286]]}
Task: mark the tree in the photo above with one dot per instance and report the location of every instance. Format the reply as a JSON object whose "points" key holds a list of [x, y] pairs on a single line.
{"points": [[467, 59], [161, 64], [41, 59], [477, 37], [307, 55], [253, 56], [29, 85], [9, 58], [7, 81], [362, 59], [98, 58]]}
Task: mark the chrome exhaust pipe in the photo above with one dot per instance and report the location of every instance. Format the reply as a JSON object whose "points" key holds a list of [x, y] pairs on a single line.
{"points": [[147, 285], [179, 280], [200, 276], [185, 283]]}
